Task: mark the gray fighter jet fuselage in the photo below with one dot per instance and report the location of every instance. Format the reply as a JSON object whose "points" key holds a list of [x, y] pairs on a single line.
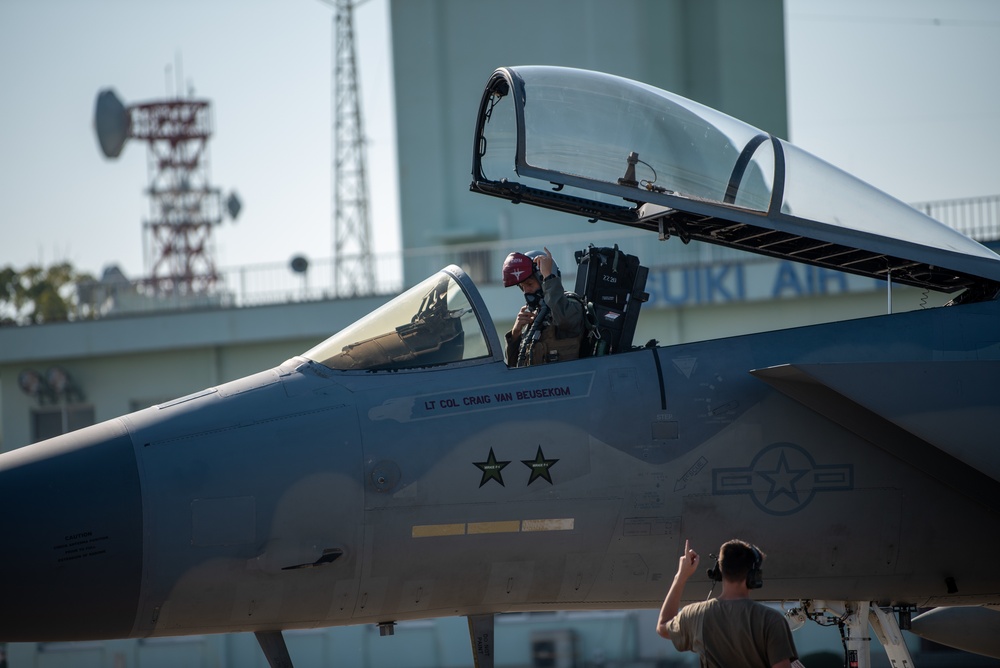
{"points": [[304, 496]]}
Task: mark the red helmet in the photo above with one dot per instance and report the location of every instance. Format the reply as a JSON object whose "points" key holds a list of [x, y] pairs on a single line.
{"points": [[517, 268]]}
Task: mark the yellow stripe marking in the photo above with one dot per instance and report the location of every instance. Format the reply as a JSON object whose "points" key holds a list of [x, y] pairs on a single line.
{"points": [[510, 526], [430, 530], [503, 526]]}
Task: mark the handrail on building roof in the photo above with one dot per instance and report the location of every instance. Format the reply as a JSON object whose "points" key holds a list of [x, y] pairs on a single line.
{"points": [[277, 283]]}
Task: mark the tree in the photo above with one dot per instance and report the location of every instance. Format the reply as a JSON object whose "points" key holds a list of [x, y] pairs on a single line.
{"points": [[36, 295]]}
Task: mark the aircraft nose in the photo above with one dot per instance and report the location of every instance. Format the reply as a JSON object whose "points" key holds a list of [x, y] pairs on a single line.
{"points": [[70, 537]]}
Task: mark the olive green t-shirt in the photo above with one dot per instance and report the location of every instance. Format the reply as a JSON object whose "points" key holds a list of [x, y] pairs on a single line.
{"points": [[733, 633]]}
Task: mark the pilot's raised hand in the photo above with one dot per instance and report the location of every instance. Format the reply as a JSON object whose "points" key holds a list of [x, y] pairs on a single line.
{"points": [[544, 264], [524, 317]]}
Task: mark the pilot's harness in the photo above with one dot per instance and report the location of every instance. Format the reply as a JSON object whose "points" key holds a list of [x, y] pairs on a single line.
{"points": [[591, 337], [534, 333]]}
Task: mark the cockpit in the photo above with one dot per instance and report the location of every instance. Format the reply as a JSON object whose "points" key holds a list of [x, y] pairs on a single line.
{"points": [[432, 323], [443, 319]]}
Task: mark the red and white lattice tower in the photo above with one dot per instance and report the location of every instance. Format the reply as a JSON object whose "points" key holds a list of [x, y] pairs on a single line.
{"points": [[184, 207]]}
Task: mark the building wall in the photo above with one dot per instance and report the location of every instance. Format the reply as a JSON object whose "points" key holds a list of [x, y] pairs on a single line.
{"points": [[612, 638], [728, 54]]}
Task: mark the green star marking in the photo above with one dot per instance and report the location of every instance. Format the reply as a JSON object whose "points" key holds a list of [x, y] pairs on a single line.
{"points": [[491, 469], [539, 466]]}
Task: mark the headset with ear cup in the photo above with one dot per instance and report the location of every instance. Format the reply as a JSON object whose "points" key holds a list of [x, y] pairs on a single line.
{"points": [[755, 576], [714, 573]]}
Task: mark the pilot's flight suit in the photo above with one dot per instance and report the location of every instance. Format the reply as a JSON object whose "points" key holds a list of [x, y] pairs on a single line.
{"points": [[562, 332]]}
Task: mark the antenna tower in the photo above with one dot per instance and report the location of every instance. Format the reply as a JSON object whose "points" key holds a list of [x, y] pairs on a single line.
{"points": [[184, 206], [354, 270]]}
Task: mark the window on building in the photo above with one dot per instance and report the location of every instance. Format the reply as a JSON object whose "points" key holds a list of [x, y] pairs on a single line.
{"points": [[49, 421], [478, 265]]}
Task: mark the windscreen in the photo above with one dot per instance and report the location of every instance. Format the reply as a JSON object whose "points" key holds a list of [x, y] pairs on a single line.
{"points": [[432, 323]]}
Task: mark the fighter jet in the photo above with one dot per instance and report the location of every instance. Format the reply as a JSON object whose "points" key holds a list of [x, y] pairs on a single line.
{"points": [[402, 470]]}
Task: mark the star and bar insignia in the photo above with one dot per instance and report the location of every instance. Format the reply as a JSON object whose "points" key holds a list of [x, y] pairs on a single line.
{"points": [[793, 479], [491, 469]]}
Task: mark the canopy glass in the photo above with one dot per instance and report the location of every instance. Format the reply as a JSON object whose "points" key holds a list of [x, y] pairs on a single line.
{"points": [[613, 149]]}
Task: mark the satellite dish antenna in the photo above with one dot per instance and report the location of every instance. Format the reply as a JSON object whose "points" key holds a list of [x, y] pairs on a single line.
{"points": [[300, 265], [233, 205], [111, 121], [31, 383]]}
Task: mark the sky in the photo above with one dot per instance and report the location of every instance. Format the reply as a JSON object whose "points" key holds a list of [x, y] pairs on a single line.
{"points": [[901, 93]]}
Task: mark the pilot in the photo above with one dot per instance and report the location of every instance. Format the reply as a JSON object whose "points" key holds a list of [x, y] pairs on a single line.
{"points": [[560, 328], [731, 630]]}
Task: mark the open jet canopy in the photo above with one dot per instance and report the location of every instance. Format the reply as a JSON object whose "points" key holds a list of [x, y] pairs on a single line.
{"points": [[618, 150]]}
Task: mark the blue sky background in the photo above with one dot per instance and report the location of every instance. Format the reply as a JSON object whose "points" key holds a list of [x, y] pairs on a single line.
{"points": [[902, 93]]}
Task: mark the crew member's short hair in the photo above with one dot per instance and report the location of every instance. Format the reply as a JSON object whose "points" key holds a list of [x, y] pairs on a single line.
{"points": [[736, 558]]}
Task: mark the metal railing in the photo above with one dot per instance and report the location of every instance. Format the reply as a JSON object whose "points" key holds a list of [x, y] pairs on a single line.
{"points": [[976, 217], [233, 287], [277, 283]]}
